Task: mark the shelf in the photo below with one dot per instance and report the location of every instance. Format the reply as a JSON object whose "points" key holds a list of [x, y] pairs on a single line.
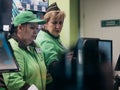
{"points": [[40, 8]]}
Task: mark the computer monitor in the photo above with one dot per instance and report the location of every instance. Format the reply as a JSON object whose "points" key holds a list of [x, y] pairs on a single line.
{"points": [[8, 62], [91, 64]]}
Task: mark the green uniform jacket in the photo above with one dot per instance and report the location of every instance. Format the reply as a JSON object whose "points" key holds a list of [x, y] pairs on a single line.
{"points": [[51, 46], [32, 68]]}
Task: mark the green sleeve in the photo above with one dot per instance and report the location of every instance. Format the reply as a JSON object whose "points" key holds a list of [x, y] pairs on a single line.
{"points": [[14, 81], [2, 88], [49, 51]]}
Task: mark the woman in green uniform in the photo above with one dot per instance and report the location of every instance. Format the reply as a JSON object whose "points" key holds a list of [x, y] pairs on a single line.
{"points": [[32, 74], [51, 45]]}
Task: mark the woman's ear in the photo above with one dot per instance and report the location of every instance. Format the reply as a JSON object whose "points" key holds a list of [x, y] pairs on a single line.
{"points": [[20, 28]]}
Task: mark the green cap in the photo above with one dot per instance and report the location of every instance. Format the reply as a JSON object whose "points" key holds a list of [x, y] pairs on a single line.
{"points": [[27, 16]]}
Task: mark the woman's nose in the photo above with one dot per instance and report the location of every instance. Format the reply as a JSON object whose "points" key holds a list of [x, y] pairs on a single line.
{"points": [[58, 25]]}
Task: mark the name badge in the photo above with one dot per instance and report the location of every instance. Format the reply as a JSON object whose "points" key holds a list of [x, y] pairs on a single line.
{"points": [[38, 50]]}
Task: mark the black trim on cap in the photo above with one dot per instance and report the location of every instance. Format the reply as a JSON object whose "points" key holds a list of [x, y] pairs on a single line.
{"points": [[52, 7]]}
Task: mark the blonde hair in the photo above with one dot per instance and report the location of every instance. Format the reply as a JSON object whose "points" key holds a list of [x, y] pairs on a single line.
{"points": [[54, 14]]}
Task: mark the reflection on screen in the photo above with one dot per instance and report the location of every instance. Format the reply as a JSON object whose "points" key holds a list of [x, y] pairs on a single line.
{"points": [[106, 47], [7, 61]]}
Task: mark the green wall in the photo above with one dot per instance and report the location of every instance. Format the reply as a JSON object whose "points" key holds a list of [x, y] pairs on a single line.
{"points": [[74, 21], [70, 31]]}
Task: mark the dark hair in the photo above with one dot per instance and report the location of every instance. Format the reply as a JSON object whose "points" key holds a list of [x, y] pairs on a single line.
{"points": [[12, 29]]}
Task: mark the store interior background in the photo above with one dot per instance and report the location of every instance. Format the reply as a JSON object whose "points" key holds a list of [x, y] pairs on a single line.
{"points": [[83, 19], [93, 13]]}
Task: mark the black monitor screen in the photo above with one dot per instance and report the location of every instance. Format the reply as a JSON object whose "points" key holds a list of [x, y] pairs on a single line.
{"points": [[105, 47], [7, 60]]}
